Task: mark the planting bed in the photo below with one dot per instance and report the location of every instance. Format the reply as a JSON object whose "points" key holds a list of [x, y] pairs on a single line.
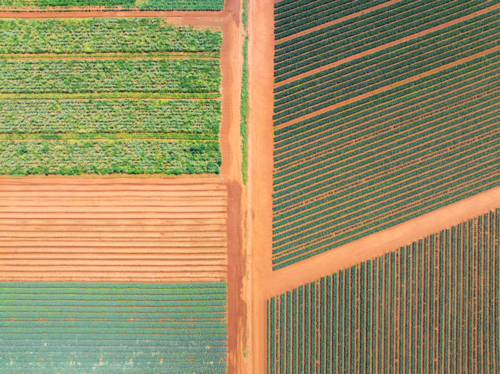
{"points": [[431, 306], [379, 117], [127, 96], [115, 327]]}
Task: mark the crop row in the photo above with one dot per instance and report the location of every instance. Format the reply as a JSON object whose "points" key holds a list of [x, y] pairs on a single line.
{"points": [[388, 72], [320, 15], [404, 123], [383, 29], [148, 75], [109, 116], [380, 194], [352, 161], [378, 56], [153, 334], [446, 83], [103, 35], [109, 157], [432, 301], [104, 5], [483, 178]]}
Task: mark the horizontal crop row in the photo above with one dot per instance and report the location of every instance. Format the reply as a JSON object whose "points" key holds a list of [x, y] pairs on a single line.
{"points": [[151, 336], [103, 35], [109, 116], [109, 157], [425, 307], [114, 4], [121, 75]]}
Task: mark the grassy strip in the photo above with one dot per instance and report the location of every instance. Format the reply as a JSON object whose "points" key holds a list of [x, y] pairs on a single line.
{"points": [[112, 95], [42, 56], [113, 116], [244, 100], [107, 136]]}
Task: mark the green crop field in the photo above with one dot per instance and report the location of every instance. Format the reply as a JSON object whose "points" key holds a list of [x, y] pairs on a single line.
{"points": [[379, 118], [116, 327], [108, 96], [429, 307], [107, 5]]}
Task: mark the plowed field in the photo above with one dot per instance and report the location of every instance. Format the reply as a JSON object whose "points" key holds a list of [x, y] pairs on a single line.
{"points": [[153, 230]]}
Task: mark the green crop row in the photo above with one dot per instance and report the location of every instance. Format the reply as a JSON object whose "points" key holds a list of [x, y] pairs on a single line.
{"points": [[389, 103], [104, 5], [464, 44], [383, 29], [402, 119], [109, 157], [103, 35], [154, 335], [110, 116], [400, 308], [69, 76], [330, 11]]}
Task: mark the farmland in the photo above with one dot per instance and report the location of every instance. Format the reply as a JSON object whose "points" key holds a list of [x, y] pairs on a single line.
{"points": [[136, 327], [431, 306], [380, 116], [109, 5], [118, 96]]}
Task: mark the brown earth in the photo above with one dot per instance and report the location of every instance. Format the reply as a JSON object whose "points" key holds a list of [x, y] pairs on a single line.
{"points": [[141, 192]]}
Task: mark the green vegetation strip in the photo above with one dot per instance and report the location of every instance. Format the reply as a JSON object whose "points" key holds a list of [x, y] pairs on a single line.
{"points": [[178, 326], [120, 75], [104, 5], [83, 118], [75, 157], [110, 95], [90, 56], [104, 35], [98, 136]]}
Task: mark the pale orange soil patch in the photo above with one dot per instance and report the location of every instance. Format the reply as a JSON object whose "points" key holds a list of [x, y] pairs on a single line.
{"points": [[113, 229]]}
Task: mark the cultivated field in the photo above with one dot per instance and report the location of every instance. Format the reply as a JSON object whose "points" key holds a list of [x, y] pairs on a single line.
{"points": [[116, 96], [116, 327], [383, 111], [428, 307]]}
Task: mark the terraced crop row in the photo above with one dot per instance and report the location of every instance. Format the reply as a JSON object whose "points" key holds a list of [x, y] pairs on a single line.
{"points": [[388, 136], [108, 5], [75, 327], [69, 107], [428, 307]]}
